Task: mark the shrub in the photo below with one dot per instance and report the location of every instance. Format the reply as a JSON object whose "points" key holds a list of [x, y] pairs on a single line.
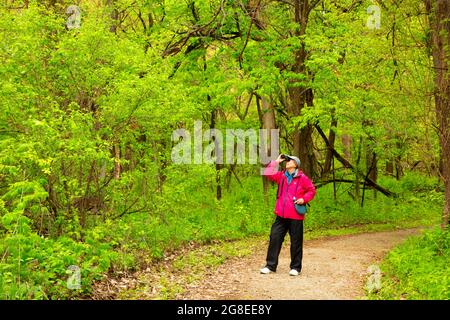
{"points": [[418, 269]]}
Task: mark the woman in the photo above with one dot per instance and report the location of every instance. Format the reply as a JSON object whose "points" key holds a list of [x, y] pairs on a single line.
{"points": [[293, 185]]}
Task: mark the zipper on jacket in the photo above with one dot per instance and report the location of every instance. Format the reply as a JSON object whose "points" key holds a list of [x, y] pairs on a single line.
{"points": [[287, 191]]}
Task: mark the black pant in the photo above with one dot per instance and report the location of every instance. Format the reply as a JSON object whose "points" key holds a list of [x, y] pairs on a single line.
{"points": [[279, 229]]}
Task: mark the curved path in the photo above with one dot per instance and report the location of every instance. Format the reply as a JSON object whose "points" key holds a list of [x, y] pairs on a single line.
{"points": [[333, 268]]}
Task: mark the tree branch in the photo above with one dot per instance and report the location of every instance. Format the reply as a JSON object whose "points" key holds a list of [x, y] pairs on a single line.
{"points": [[347, 164]]}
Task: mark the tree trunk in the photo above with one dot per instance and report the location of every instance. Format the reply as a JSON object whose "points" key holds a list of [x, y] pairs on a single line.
{"points": [[371, 158], [218, 165], [114, 15], [267, 116], [300, 95], [347, 141], [116, 161], [398, 164], [329, 154], [439, 15], [389, 167], [358, 171], [371, 167]]}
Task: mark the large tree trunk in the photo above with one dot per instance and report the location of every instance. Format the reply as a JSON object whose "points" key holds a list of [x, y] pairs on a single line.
{"points": [[300, 95], [439, 14]]}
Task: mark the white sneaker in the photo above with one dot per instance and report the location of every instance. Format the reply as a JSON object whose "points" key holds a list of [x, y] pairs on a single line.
{"points": [[265, 270], [293, 272]]}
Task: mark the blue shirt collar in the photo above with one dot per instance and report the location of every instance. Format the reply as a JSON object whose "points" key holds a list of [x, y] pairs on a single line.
{"points": [[290, 176]]}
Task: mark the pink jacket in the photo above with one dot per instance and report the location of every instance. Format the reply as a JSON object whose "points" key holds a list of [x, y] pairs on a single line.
{"points": [[300, 187]]}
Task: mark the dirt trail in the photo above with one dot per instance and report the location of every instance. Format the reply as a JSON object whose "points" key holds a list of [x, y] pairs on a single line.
{"points": [[333, 268]]}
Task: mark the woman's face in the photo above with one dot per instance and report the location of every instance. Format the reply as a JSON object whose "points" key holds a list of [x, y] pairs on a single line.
{"points": [[290, 164]]}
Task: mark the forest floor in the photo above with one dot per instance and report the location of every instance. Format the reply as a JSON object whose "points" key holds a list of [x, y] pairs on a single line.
{"points": [[334, 267]]}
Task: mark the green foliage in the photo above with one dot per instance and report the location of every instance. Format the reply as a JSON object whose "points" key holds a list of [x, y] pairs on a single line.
{"points": [[86, 118], [34, 267], [418, 269]]}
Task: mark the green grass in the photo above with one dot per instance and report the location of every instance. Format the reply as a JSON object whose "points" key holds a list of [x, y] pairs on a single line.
{"points": [[419, 269]]}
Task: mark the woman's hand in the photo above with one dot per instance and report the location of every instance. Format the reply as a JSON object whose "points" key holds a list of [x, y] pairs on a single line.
{"points": [[300, 201], [279, 159]]}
